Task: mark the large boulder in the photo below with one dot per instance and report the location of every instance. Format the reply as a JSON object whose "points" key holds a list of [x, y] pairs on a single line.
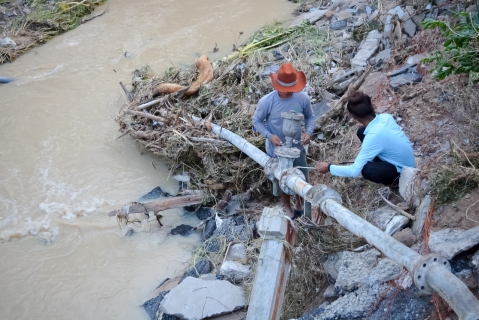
{"points": [[197, 299]]}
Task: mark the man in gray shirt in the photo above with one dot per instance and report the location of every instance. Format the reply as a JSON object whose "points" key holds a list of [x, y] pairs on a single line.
{"points": [[288, 84]]}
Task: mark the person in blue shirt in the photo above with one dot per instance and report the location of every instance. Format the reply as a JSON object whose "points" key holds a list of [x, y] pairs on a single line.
{"points": [[288, 84], [385, 148]]}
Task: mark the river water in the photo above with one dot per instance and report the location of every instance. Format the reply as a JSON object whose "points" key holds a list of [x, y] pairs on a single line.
{"points": [[62, 169]]}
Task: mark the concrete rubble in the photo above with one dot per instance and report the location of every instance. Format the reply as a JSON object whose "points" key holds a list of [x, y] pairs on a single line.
{"points": [[407, 75], [366, 50], [197, 299], [388, 220], [449, 242]]}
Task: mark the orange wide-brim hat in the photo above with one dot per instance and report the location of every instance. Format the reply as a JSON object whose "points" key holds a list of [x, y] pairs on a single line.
{"points": [[288, 79]]}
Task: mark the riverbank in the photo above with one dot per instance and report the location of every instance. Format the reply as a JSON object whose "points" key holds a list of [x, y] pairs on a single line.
{"points": [[25, 25], [341, 45]]}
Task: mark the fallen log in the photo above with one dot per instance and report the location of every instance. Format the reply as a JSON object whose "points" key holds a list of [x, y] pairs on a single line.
{"points": [[337, 109], [161, 205], [148, 116]]}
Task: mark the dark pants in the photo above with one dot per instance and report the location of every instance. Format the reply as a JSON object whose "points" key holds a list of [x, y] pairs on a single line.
{"points": [[378, 171]]}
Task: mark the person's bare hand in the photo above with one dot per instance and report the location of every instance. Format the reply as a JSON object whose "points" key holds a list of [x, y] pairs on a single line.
{"points": [[305, 138], [276, 140], [322, 167]]}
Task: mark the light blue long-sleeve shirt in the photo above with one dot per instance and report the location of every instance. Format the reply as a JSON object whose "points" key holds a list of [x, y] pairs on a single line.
{"points": [[270, 107], [384, 139]]}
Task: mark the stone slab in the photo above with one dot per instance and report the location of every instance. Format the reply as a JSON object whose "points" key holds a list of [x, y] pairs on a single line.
{"points": [[273, 223], [421, 214], [313, 17], [397, 223], [449, 242], [197, 299]]}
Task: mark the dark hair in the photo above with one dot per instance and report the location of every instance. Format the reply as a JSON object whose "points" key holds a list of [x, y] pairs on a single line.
{"points": [[359, 105]]}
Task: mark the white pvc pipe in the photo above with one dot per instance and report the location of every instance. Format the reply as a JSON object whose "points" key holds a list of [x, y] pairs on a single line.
{"points": [[253, 152]]}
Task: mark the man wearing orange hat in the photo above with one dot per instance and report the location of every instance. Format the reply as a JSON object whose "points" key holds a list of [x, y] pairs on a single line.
{"points": [[288, 84]]}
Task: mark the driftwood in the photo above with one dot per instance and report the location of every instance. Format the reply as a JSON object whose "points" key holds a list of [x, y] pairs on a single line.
{"points": [[337, 109], [148, 116], [161, 205]]}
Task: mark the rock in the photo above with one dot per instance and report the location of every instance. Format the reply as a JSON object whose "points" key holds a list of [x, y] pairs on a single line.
{"points": [[415, 59], [353, 305], [7, 43], [388, 26], [338, 24], [327, 96], [397, 223], [237, 253], [201, 267], [408, 304], [320, 108], [354, 267], [407, 76], [235, 271], [408, 25], [475, 259], [467, 276], [421, 215], [209, 229], [332, 264], [340, 88], [204, 213], [382, 216], [409, 186], [449, 242], [274, 68], [182, 229], [406, 237], [313, 17], [213, 245], [329, 292], [154, 194], [231, 231], [384, 55], [208, 277], [198, 299], [151, 306], [343, 75]]}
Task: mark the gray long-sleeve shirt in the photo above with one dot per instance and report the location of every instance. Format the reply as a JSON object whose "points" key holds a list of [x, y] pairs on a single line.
{"points": [[270, 107]]}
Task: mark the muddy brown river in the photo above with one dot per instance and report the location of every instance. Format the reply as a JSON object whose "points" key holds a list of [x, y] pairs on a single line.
{"points": [[62, 169]]}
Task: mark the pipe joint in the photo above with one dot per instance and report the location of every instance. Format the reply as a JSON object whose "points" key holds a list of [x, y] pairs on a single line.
{"points": [[270, 168], [423, 267], [287, 175], [319, 193]]}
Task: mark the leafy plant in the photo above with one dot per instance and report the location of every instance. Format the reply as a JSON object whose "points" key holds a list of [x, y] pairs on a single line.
{"points": [[461, 47]]}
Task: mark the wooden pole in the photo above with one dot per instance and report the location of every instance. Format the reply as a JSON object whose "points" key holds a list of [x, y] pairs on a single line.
{"points": [[148, 116], [163, 204]]}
